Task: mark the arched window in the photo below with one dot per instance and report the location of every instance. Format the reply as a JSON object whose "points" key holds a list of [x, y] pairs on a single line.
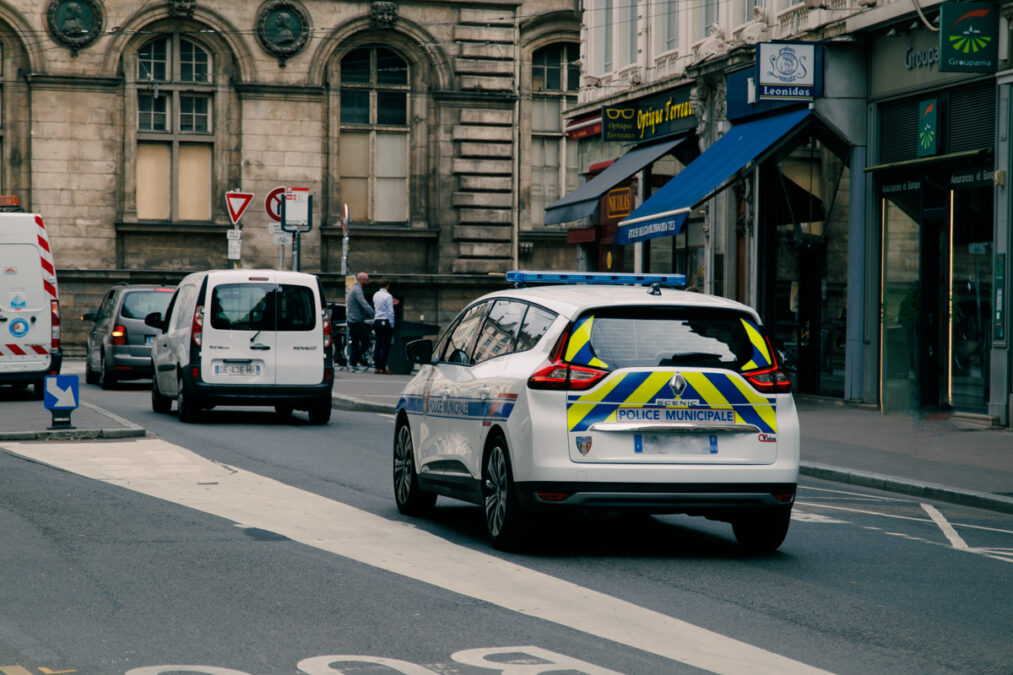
{"points": [[374, 137], [175, 127], [555, 78]]}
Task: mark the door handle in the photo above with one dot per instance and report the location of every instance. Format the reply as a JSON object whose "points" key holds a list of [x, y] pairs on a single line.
{"points": [[260, 347], [484, 393], [445, 393]]}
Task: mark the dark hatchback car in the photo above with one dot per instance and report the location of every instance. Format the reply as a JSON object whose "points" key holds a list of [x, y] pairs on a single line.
{"points": [[119, 342]]}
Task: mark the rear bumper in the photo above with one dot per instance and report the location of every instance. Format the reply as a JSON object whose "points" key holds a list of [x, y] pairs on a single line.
{"points": [[717, 500], [257, 395], [132, 362], [33, 374]]}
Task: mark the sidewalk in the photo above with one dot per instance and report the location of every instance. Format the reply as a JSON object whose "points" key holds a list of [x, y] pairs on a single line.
{"points": [[936, 457]]}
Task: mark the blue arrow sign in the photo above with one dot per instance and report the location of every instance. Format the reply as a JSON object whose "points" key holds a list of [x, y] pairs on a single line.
{"points": [[61, 392]]}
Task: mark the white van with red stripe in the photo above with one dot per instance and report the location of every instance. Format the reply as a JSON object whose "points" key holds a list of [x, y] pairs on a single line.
{"points": [[29, 302]]}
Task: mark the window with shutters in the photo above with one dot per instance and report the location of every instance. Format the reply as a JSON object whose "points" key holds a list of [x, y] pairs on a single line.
{"points": [[174, 84], [375, 137]]}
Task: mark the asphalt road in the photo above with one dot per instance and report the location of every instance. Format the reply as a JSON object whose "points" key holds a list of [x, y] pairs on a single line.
{"points": [[114, 561]]}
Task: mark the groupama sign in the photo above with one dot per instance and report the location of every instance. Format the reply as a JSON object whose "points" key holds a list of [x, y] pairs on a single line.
{"points": [[969, 37]]}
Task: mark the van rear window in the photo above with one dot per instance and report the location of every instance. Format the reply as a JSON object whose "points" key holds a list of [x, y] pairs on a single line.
{"points": [[635, 337], [266, 306]]}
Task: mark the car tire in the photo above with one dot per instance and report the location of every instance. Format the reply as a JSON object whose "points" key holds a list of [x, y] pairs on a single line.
{"points": [[505, 521], [763, 531], [410, 498], [283, 411], [186, 406], [39, 389], [320, 411], [90, 376], [106, 377], [160, 403]]}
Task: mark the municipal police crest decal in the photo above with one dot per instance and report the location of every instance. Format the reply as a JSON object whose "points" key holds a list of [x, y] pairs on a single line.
{"points": [[584, 444]]}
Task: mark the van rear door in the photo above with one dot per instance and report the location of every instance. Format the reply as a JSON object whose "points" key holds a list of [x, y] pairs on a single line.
{"points": [[300, 339], [238, 338], [25, 312]]}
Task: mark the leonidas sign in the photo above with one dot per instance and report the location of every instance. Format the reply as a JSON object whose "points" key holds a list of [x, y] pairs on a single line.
{"points": [[969, 37]]}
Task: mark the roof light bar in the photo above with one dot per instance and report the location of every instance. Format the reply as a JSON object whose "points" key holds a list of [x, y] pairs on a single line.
{"points": [[521, 277]]}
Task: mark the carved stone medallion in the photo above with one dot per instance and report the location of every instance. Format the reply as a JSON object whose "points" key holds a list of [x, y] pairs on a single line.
{"points": [[75, 23], [283, 27], [383, 13]]}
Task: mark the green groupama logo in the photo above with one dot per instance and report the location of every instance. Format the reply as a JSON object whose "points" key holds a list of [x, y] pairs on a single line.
{"points": [[927, 125], [969, 39], [927, 131]]}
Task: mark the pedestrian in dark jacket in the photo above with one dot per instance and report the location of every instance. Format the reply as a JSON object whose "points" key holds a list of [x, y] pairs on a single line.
{"points": [[358, 316]]}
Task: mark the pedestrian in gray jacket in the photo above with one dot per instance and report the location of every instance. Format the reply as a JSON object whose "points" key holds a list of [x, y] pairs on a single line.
{"points": [[358, 315]]}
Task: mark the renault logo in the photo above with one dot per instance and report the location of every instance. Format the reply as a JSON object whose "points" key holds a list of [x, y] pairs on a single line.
{"points": [[678, 385]]}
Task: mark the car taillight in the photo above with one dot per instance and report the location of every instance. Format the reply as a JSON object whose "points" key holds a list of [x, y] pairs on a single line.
{"points": [[54, 308], [560, 375], [119, 335], [197, 327], [327, 329], [770, 380]]}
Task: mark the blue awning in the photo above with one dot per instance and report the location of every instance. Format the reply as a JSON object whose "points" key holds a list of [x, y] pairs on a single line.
{"points": [[582, 202], [665, 212]]}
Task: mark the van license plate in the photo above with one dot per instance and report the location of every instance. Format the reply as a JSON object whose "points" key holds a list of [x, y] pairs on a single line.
{"points": [[237, 369]]}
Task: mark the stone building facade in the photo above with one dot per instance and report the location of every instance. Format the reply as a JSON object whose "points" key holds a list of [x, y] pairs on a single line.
{"points": [[438, 124]]}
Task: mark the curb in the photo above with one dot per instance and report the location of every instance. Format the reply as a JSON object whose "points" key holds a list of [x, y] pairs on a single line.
{"points": [[127, 430], [912, 488], [358, 405], [904, 486]]}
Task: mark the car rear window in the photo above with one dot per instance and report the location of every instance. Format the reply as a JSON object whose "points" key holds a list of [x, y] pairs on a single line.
{"points": [[635, 337], [139, 304], [252, 306]]}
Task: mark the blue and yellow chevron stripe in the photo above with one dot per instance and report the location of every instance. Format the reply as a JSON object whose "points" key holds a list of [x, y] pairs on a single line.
{"points": [[761, 352], [708, 397], [578, 348]]}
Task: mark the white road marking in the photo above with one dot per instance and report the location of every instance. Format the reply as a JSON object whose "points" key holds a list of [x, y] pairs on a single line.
{"points": [[878, 498], [169, 472], [806, 517], [955, 539]]}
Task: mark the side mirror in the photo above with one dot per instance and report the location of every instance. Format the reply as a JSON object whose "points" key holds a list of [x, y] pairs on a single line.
{"points": [[88, 316], [155, 321], [420, 351]]}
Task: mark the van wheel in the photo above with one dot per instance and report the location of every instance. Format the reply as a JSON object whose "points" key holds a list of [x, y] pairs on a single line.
{"points": [[106, 378], [39, 390], [283, 411], [186, 407], [160, 403], [320, 411]]}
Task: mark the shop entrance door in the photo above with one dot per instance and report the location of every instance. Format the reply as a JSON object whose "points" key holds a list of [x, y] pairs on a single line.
{"points": [[936, 295]]}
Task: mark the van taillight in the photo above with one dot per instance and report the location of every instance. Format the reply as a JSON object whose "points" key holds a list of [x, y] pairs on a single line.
{"points": [[119, 335], [197, 327], [54, 308], [327, 329], [561, 375]]}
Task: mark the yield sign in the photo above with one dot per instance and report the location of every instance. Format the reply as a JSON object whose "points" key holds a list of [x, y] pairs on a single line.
{"points": [[237, 203]]}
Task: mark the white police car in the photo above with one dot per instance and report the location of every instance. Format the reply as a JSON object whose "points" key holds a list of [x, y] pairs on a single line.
{"points": [[601, 395]]}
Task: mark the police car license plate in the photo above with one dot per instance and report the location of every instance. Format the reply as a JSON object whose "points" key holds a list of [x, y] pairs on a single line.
{"points": [[675, 444], [237, 369]]}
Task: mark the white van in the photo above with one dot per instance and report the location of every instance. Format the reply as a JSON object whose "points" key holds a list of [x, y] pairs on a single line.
{"points": [[29, 301], [244, 337]]}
